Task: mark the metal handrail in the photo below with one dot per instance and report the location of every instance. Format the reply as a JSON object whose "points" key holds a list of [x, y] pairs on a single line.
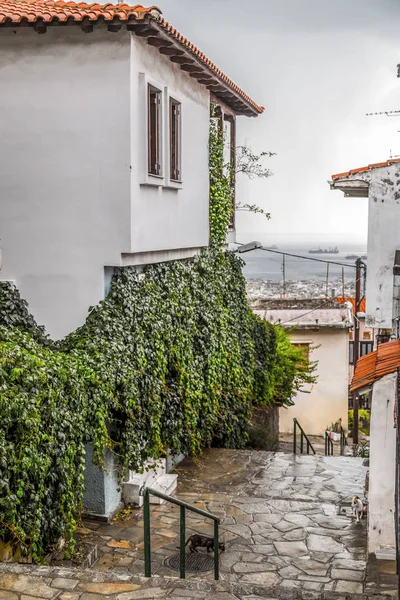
{"points": [[146, 492], [328, 445], [302, 436], [343, 441]]}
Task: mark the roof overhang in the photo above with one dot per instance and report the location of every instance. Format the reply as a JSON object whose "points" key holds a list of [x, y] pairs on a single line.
{"points": [[145, 23], [351, 188]]}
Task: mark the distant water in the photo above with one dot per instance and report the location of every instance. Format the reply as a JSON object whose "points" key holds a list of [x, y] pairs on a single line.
{"points": [[268, 265]]}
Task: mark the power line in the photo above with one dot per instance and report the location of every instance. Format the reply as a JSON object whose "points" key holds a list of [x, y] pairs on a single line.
{"points": [[330, 262]]}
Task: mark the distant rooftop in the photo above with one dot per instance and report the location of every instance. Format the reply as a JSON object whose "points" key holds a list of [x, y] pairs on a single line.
{"points": [[305, 314]]}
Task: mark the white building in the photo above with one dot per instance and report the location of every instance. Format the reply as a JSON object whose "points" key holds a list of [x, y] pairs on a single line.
{"points": [[380, 183], [104, 123], [323, 333], [378, 372]]}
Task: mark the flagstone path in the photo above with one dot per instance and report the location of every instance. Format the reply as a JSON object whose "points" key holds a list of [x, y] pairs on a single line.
{"points": [[283, 521]]}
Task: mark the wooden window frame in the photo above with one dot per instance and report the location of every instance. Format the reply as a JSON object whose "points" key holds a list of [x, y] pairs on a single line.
{"points": [[351, 353], [175, 140], [154, 131], [366, 345]]}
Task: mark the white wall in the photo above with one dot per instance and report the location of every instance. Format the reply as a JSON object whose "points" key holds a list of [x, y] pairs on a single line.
{"points": [[64, 167], [70, 199], [382, 464], [383, 240], [328, 398], [174, 217]]}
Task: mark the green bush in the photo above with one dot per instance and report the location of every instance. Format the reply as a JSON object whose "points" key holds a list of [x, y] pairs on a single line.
{"points": [[364, 418], [173, 360]]}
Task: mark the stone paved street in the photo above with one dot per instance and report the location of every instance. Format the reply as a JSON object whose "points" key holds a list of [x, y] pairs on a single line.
{"points": [[284, 525]]}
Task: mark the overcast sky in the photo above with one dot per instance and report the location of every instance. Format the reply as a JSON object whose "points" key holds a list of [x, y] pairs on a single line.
{"points": [[317, 66]]}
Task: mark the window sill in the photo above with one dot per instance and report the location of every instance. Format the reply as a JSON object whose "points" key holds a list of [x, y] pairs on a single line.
{"points": [[153, 180], [173, 185]]}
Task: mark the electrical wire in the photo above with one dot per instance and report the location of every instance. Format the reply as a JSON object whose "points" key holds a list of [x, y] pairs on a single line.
{"points": [[330, 262]]}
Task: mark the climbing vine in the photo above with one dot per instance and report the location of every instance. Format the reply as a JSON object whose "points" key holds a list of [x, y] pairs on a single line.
{"points": [[172, 361]]}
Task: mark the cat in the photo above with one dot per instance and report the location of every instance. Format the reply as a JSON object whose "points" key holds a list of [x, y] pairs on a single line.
{"points": [[358, 508], [202, 541]]}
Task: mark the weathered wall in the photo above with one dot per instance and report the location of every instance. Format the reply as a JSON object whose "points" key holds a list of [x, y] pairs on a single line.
{"points": [[382, 464], [328, 398], [383, 240], [72, 137], [102, 498], [264, 428]]}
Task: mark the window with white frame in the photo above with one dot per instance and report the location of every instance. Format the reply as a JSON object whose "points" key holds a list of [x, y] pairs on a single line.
{"points": [[154, 130], [175, 151]]}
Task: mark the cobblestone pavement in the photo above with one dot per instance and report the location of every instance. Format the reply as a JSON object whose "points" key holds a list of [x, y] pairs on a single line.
{"points": [[284, 525]]}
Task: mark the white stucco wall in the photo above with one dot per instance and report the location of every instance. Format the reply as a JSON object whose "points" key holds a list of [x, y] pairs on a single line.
{"points": [[328, 398], [382, 464], [167, 217], [71, 137], [383, 240]]}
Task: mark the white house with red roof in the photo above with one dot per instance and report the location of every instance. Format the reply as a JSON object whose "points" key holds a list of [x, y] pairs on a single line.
{"points": [[104, 124], [380, 183]]}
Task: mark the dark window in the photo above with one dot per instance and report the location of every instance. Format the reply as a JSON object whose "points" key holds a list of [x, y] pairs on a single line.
{"points": [[154, 130], [366, 348], [175, 140], [351, 353]]}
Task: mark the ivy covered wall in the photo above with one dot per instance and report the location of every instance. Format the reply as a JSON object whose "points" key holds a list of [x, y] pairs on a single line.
{"points": [[172, 359]]}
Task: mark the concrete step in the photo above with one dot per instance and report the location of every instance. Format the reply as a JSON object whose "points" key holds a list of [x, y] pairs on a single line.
{"points": [[166, 484], [386, 553], [152, 470]]}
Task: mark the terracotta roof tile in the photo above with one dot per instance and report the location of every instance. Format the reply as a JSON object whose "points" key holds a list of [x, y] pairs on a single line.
{"points": [[351, 299], [376, 364], [387, 163], [16, 12]]}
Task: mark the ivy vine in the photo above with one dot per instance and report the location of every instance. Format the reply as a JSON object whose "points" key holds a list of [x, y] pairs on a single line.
{"points": [[172, 361]]}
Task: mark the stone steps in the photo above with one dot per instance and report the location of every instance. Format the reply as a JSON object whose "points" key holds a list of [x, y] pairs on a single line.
{"points": [[17, 580], [155, 476]]}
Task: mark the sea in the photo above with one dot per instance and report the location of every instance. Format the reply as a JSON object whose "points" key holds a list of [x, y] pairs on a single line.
{"points": [[268, 266]]}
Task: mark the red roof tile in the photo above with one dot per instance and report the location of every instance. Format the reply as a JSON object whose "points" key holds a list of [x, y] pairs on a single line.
{"points": [[387, 163], [17, 12], [373, 366], [352, 300]]}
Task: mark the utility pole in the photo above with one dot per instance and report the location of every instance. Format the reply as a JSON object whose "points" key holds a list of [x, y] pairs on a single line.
{"points": [[356, 348], [342, 282], [284, 276], [327, 281]]}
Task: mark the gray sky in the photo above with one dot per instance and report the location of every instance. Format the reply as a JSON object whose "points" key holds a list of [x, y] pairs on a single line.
{"points": [[317, 66]]}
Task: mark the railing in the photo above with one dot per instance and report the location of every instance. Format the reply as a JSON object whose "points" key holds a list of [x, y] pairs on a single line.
{"points": [[303, 436], [146, 492], [328, 445], [343, 441]]}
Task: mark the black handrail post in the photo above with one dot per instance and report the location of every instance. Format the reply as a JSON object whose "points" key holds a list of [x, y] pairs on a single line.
{"points": [[308, 447], [301, 443], [294, 436], [182, 542], [147, 549], [216, 551], [326, 444]]}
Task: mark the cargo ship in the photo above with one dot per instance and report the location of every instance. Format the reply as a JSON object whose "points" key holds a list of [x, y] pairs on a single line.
{"points": [[334, 250]]}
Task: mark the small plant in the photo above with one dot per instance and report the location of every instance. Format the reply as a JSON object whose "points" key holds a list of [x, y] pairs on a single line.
{"points": [[364, 418]]}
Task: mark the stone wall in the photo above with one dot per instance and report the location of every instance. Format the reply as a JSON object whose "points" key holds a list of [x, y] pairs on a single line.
{"points": [[264, 428]]}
